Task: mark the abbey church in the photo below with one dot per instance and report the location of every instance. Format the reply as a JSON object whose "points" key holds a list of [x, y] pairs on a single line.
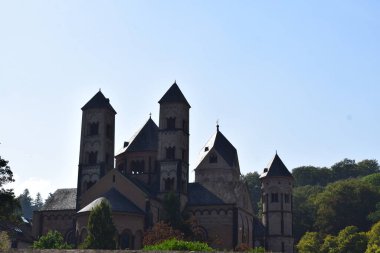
{"points": [[155, 161]]}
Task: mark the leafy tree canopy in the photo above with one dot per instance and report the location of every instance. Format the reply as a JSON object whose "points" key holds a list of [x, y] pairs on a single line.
{"points": [[254, 186], [309, 243], [345, 203]]}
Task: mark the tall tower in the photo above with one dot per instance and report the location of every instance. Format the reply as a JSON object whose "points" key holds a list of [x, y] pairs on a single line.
{"points": [[173, 143], [97, 143], [276, 186]]}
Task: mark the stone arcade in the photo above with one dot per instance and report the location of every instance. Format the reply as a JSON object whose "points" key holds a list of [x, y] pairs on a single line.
{"points": [[152, 163]]}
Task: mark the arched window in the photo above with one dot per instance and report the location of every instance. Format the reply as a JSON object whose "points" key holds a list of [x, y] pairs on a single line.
{"points": [[170, 123], [92, 128], [170, 153], [92, 157]]}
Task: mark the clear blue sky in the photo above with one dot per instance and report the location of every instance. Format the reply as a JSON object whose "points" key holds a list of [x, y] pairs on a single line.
{"points": [[300, 77]]}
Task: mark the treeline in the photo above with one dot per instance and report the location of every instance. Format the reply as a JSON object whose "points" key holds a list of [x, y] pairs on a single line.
{"points": [[28, 204], [328, 200]]}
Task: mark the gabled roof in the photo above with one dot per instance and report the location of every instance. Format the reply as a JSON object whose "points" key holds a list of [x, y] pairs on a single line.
{"points": [[98, 101], [117, 201], [174, 95], [276, 168], [62, 199], [199, 195], [146, 139], [220, 143]]}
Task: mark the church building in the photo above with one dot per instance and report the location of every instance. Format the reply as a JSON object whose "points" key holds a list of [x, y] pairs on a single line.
{"points": [[154, 162]]}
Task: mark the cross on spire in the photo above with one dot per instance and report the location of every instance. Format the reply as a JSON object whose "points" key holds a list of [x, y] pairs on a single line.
{"points": [[217, 125]]}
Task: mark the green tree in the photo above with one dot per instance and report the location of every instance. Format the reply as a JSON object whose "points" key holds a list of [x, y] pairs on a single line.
{"points": [[310, 175], [101, 230], [254, 186], [368, 166], [10, 207], [309, 243], [373, 245], [345, 203], [330, 244], [52, 240], [373, 179], [304, 209], [345, 169], [26, 203], [350, 240], [38, 202], [5, 242]]}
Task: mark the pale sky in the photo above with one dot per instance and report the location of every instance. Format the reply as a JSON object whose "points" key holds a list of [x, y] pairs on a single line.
{"points": [[299, 77]]}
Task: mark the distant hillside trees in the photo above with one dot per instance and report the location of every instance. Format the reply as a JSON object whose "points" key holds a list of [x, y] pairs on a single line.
{"points": [[28, 204]]}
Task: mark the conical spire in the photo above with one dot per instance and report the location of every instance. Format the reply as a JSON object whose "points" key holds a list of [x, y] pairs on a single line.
{"points": [[276, 168], [98, 101], [174, 95]]}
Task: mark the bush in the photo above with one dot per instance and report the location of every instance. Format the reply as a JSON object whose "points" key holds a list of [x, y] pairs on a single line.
{"points": [[52, 240], [174, 244], [5, 242], [161, 232]]}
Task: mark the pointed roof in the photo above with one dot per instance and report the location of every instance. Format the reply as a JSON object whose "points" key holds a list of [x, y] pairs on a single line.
{"points": [[174, 95], [146, 139], [276, 168], [117, 201], [199, 195], [98, 101], [61, 199], [222, 145]]}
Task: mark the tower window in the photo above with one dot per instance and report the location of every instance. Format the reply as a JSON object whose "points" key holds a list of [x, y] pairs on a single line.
{"points": [[109, 131], [92, 157], [93, 128], [170, 123], [169, 184], [170, 153], [137, 167], [213, 158], [274, 197]]}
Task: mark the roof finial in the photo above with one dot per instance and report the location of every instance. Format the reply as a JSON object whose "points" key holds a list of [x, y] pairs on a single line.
{"points": [[217, 125], [175, 81], [150, 115], [100, 89]]}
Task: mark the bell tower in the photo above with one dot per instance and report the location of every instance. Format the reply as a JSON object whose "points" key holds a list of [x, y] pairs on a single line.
{"points": [[276, 187], [173, 143], [96, 155]]}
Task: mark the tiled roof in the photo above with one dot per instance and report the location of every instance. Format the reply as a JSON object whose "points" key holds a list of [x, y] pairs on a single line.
{"points": [[174, 95], [146, 139], [220, 143], [62, 199], [118, 202], [199, 195], [97, 102], [276, 168]]}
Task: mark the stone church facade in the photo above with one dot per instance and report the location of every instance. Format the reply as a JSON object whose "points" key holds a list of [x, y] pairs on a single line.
{"points": [[154, 162]]}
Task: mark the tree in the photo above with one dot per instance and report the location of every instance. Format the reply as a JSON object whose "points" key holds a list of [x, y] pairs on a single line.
{"points": [[160, 232], [350, 240], [309, 243], [368, 166], [26, 204], [345, 169], [345, 203], [38, 202], [304, 209], [373, 179], [310, 175], [101, 230], [373, 245], [330, 244], [52, 240], [9, 208], [254, 186]]}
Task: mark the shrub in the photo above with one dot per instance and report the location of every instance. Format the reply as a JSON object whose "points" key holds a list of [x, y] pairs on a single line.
{"points": [[174, 244], [52, 240], [160, 232], [5, 242]]}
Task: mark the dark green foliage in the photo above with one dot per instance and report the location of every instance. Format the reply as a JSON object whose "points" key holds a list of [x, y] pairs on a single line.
{"points": [[254, 186], [38, 202], [172, 214], [310, 175], [52, 240], [350, 240], [373, 179], [374, 239], [9, 208], [304, 209], [101, 230], [174, 244], [345, 203], [26, 204]]}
